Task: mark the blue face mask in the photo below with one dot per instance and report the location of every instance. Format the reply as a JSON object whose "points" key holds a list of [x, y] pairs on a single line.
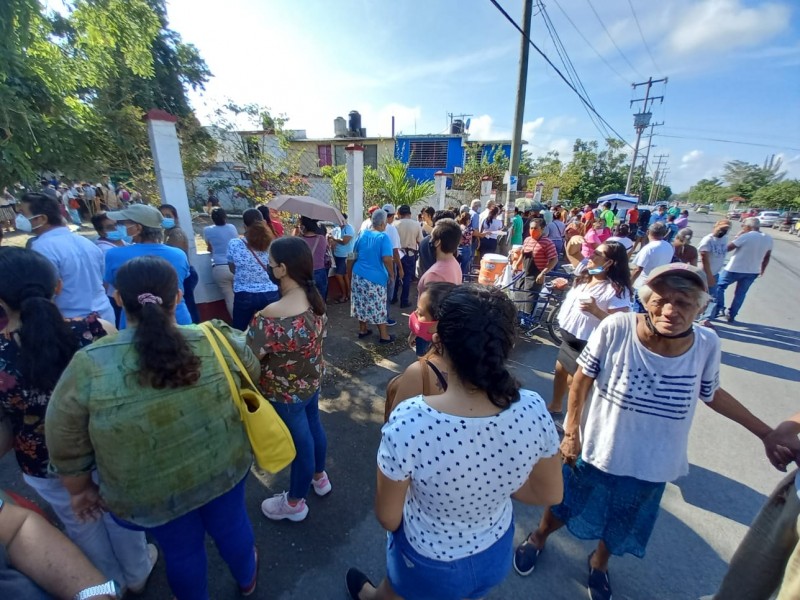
{"points": [[167, 223], [114, 236], [595, 271], [122, 232]]}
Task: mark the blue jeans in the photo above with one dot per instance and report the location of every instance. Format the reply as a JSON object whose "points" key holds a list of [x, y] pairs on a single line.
{"points": [[743, 282], [321, 279], [247, 304], [465, 253], [182, 541], [310, 441], [415, 576], [711, 308], [409, 268]]}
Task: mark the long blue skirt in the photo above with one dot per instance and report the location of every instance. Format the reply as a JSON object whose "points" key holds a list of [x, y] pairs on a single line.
{"points": [[619, 510]]}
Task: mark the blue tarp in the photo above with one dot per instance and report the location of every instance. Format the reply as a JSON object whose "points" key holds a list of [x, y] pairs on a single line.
{"points": [[618, 198]]}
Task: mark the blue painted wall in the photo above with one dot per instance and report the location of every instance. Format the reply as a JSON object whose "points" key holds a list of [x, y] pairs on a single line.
{"points": [[455, 154]]}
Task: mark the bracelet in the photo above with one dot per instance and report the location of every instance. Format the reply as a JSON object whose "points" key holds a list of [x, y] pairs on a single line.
{"points": [[109, 588]]}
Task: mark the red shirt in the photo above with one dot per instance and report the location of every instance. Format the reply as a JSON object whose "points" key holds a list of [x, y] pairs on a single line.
{"points": [[277, 226], [633, 216], [542, 251]]}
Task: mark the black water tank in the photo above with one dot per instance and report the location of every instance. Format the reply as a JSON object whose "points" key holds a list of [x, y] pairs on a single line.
{"points": [[354, 124], [457, 126]]}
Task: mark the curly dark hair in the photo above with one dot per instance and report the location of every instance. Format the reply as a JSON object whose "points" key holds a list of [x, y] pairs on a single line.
{"points": [[477, 330], [165, 358]]}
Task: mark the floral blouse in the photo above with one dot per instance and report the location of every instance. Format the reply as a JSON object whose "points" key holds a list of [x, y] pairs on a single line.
{"points": [[466, 235], [290, 351], [25, 406]]}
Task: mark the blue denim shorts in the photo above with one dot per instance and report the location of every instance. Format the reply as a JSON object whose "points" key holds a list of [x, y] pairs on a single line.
{"points": [[415, 576]]}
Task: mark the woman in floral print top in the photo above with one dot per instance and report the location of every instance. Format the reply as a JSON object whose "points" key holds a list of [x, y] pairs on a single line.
{"points": [[36, 345], [287, 336]]}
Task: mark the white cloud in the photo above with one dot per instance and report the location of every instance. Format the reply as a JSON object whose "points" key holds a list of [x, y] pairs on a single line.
{"points": [[716, 26], [482, 128]]}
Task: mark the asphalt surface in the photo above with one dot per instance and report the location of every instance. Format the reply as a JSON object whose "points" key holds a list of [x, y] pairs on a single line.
{"points": [[703, 516]]}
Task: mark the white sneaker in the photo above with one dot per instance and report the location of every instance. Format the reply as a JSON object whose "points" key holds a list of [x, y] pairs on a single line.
{"points": [[322, 486], [152, 556], [278, 507]]}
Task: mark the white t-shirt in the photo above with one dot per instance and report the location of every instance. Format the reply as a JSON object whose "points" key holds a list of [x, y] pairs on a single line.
{"points": [[580, 323], [750, 250], [653, 255], [716, 248], [637, 420], [463, 471], [626, 242], [394, 237], [366, 224]]}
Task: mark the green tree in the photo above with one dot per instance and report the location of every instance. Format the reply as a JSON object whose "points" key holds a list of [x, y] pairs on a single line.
{"points": [[477, 166], [597, 171], [745, 179], [709, 191], [784, 194]]}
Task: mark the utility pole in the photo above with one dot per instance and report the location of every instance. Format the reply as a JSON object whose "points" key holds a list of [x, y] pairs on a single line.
{"points": [[660, 183], [519, 110], [641, 120], [661, 159], [647, 156]]}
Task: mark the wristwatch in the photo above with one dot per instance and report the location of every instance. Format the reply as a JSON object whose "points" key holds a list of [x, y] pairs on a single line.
{"points": [[109, 588]]}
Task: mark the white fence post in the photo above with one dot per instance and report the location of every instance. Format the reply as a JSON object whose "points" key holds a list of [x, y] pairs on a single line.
{"points": [[440, 187], [355, 185]]}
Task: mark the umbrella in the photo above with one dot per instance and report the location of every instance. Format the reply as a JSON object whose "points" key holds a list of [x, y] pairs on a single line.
{"points": [[307, 206], [618, 198], [526, 204]]}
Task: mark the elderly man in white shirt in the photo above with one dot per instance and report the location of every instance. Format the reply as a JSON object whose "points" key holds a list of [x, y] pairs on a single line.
{"points": [[79, 262]]}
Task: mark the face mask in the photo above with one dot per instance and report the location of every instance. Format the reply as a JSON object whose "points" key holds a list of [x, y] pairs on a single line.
{"points": [[23, 223], [271, 275], [721, 233], [123, 233], [421, 329], [595, 271], [114, 236], [167, 223], [536, 234]]}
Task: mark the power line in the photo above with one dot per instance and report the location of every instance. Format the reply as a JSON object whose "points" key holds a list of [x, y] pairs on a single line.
{"points": [[570, 68], [707, 139], [625, 58], [588, 43], [761, 134], [641, 33], [556, 69]]}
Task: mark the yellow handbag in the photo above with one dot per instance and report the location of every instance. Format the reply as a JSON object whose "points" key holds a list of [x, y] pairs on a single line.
{"points": [[270, 439]]}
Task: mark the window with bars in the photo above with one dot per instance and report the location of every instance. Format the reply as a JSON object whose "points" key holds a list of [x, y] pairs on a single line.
{"points": [[325, 155], [428, 155]]}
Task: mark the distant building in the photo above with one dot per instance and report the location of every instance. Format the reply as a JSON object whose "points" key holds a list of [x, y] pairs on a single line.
{"points": [[427, 154]]}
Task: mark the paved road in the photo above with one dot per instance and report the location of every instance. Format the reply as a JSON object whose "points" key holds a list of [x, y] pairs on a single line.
{"points": [[703, 518]]}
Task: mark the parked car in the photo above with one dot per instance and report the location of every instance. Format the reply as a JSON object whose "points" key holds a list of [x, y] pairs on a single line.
{"points": [[768, 218], [787, 221], [734, 214], [702, 210]]}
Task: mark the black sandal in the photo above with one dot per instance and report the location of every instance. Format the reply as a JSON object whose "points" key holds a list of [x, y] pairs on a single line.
{"points": [[355, 581], [363, 334]]}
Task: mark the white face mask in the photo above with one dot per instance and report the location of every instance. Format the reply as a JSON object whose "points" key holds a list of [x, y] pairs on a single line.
{"points": [[23, 223]]}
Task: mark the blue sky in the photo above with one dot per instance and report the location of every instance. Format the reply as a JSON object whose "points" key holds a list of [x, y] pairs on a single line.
{"points": [[733, 68]]}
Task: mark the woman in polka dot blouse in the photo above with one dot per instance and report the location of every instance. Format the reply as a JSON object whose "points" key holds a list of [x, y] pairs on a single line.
{"points": [[448, 465]]}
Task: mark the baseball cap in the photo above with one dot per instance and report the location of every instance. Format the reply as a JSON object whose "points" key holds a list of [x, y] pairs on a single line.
{"points": [[404, 209], [149, 216], [389, 209], [372, 209], [690, 272]]}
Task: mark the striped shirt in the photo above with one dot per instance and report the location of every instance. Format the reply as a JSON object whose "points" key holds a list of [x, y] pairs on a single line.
{"points": [[637, 420]]}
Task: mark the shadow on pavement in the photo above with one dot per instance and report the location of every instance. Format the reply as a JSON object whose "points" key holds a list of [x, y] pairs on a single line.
{"points": [[773, 337], [762, 367], [721, 495]]}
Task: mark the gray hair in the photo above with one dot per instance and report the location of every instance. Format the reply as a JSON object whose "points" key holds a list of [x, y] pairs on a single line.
{"points": [[379, 218], [752, 223], [476, 203], [685, 233], [657, 230], [681, 284]]}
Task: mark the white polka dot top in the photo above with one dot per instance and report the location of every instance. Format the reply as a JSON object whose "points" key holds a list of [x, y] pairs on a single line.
{"points": [[463, 471]]}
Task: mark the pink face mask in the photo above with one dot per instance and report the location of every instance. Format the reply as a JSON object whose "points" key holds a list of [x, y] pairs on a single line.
{"points": [[421, 329]]}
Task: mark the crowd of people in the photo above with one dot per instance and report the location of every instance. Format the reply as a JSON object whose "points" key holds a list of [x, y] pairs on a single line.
{"points": [[106, 380]]}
